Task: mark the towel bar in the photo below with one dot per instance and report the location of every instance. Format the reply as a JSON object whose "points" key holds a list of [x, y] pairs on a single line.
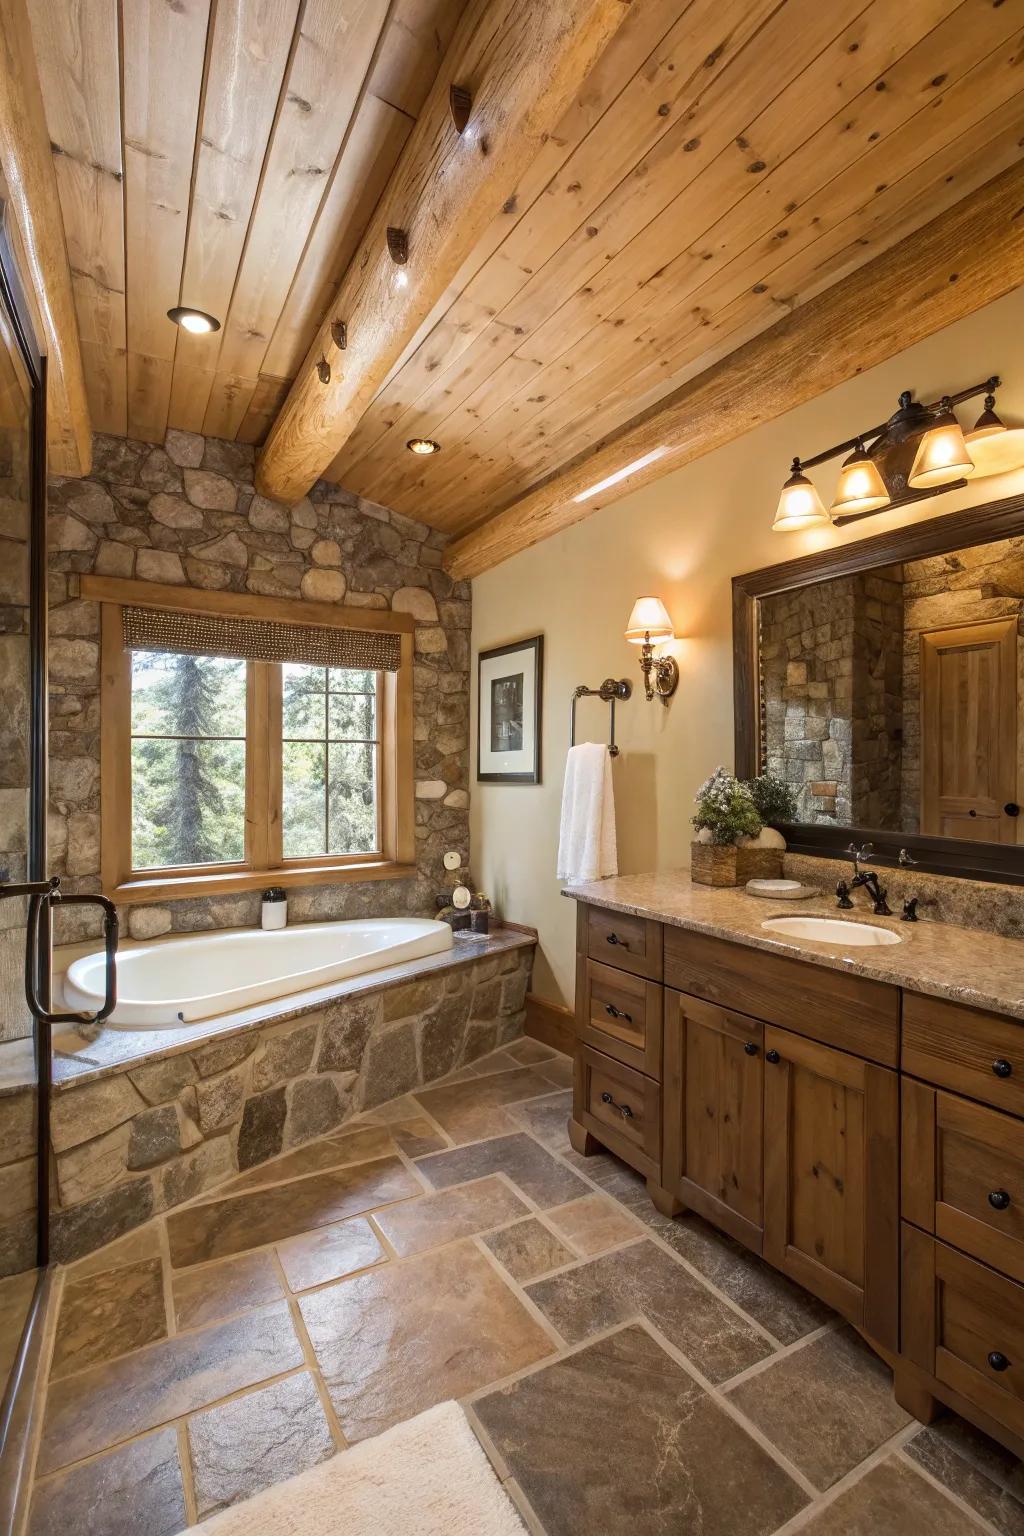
{"points": [[611, 689]]}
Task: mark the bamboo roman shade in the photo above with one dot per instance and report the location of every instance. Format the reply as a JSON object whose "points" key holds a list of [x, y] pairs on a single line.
{"points": [[202, 634]]}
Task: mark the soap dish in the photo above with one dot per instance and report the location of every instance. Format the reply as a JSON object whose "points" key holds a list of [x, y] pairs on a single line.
{"points": [[780, 890]]}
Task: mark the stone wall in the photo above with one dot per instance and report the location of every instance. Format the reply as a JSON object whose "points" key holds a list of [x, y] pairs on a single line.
{"points": [[14, 706], [143, 1139], [986, 582], [187, 514], [831, 662]]}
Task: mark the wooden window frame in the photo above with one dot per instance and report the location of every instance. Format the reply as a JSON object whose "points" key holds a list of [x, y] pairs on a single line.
{"points": [[263, 864]]}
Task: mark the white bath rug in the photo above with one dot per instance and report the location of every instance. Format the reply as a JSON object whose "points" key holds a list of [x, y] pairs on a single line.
{"points": [[426, 1477]]}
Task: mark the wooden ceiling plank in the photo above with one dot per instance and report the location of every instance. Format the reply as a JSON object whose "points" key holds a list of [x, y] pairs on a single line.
{"points": [[646, 25], [522, 64], [417, 37], [690, 75], [333, 51], [164, 50], [584, 373], [37, 233], [267, 399], [250, 48], [77, 52], [952, 267]]}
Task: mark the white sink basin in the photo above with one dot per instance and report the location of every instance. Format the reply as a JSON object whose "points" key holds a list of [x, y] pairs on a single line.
{"points": [[832, 930]]}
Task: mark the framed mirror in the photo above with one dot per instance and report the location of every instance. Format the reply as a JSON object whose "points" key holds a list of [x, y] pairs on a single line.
{"points": [[884, 681]]}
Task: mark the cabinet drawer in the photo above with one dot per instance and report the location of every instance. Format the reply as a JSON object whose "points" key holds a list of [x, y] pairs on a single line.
{"points": [[620, 1014], [963, 1175], [849, 1012], [616, 938], [980, 1054], [964, 1324], [622, 1108]]}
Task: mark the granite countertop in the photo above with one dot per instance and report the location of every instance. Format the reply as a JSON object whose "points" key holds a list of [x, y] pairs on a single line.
{"points": [[964, 965], [87, 1053]]}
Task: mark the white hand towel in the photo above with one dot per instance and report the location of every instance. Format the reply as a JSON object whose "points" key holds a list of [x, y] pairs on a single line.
{"points": [[586, 841]]}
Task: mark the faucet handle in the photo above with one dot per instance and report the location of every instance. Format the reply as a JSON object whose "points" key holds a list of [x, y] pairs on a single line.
{"points": [[906, 857], [843, 896]]}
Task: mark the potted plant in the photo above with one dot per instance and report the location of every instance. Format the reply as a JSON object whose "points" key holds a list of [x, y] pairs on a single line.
{"points": [[727, 813], [775, 802]]}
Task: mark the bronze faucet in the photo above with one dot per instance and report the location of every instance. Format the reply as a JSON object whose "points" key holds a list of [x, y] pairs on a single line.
{"points": [[865, 877]]}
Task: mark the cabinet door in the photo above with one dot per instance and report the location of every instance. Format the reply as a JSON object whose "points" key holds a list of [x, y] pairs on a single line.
{"points": [[712, 1095], [831, 1178]]}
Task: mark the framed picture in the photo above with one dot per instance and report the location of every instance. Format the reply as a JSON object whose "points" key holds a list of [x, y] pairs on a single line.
{"points": [[508, 713]]}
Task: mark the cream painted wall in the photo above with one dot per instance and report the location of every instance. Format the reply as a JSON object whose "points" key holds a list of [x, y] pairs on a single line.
{"points": [[683, 539]]}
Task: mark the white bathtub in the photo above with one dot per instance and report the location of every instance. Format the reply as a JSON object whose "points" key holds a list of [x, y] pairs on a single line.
{"points": [[185, 980]]}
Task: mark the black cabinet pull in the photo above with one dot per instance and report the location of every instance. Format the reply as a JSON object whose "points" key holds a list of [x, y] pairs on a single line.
{"points": [[617, 1013], [998, 1361], [1011, 808], [772, 1056], [999, 1199], [750, 1048], [613, 938], [1001, 1067], [623, 1109]]}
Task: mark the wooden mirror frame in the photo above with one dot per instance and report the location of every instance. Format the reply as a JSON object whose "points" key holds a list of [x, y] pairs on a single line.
{"points": [[983, 524]]}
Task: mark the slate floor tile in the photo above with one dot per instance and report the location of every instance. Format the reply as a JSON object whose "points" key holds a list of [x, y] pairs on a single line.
{"points": [[981, 1472], [109, 1314], [594, 1223], [329, 1253], [528, 1249], [540, 1176], [416, 1225], [136, 1488], [216, 1291], [890, 1500]]}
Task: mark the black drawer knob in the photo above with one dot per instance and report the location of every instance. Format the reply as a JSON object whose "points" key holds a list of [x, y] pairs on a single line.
{"points": [[772, 1056], [999, 1200], [750, 1048], [623, 1109], [1011, 808], [1001, 1067], [613, 938], [617, 1013], [998, 1361]]}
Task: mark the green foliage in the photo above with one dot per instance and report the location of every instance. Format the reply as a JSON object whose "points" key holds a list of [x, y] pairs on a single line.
{"points": [[330, 761], [774, 799], [726, 808]]}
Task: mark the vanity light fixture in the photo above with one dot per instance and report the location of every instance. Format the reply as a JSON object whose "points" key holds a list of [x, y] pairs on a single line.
{"points": [[621, 474], [920, 451], [197, 321], [423, 445], [649, 624]]}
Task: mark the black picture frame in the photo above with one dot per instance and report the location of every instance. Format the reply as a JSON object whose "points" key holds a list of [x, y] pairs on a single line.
{"points": [[1000, 863], [514, 713]]}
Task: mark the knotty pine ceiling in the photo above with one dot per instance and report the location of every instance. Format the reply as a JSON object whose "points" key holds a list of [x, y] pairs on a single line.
{"points": [[725, 161]]}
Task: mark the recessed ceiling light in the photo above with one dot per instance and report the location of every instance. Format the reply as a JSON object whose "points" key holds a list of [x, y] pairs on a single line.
{"points": [[423, 445], [194, 320], [621, 474]]}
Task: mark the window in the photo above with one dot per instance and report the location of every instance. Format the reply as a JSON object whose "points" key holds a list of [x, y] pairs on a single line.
{"points": [[225, 772]]}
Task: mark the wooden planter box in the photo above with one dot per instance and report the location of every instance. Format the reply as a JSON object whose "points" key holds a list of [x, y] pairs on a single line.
{"points": [[725, 864]]}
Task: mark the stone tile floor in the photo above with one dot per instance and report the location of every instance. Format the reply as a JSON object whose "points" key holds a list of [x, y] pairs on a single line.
{"points": [[626, 1373]]}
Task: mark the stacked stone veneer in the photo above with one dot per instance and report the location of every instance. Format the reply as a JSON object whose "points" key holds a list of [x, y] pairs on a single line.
{"points": [[142, 1140], [831, 670], [187, 514], [14, 717]]}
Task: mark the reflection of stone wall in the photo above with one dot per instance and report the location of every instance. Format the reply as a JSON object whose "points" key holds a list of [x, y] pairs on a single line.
{"points": [[14, 698], [145, 1138], [986, 582], [830, 666], [187, 514]]}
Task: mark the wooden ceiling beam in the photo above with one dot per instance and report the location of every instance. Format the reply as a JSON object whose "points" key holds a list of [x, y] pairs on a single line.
{"points": [[31, 184], [947, 270], [522, 61]]}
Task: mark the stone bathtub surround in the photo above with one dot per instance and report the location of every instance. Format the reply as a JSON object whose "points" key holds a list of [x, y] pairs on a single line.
{"points": [[135, 1140], [187, 514], [982, 970]]}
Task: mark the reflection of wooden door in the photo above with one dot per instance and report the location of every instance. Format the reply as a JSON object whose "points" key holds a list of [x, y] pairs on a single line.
{"points": [[969, 731]]}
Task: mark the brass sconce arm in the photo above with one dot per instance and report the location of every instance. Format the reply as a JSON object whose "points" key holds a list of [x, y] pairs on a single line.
{"points": [[661, 673]]}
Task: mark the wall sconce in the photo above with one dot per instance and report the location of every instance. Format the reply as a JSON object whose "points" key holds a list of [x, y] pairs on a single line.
{"points": [[648, 625], [920, 451]]}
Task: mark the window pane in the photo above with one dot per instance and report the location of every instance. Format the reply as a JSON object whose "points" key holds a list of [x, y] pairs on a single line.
{"points": [[188, 802], [304, 701], [353, 717], [348, 680], [304, 804], [176, 695], [352, 798]]}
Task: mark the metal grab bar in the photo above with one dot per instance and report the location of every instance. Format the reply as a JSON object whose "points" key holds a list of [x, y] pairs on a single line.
{"points": [[46, 893], [611, 689]]}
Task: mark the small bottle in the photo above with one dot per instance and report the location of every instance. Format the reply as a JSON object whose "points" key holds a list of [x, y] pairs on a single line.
{"points": [[275, 907]]}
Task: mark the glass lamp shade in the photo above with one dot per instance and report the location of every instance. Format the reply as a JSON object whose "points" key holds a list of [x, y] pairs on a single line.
{"points": [[942, 455], [995, 448], [861, 487], [649, 618], [800, 506]]}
